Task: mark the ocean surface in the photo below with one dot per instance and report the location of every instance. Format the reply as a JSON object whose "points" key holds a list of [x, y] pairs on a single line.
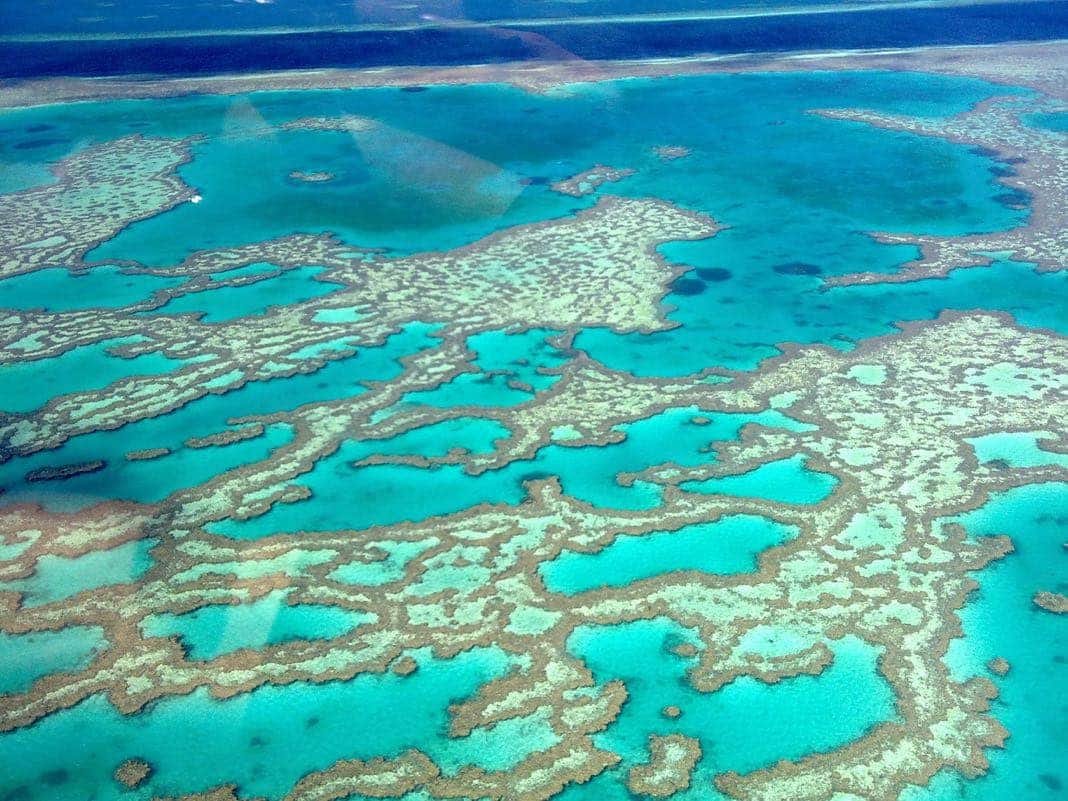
{"points": [[798, 195], [209, 38]]}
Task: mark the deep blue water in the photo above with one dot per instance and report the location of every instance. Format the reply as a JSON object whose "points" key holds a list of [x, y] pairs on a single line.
{"points": [[114, 53], [147, 16]]}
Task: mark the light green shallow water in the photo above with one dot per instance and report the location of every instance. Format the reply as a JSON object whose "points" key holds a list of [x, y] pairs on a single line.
{"points": [[60, 577], [28, 657]]}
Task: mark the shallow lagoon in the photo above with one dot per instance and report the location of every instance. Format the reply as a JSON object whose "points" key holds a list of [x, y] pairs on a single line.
{"points": [[729, 545], [746, 725]]}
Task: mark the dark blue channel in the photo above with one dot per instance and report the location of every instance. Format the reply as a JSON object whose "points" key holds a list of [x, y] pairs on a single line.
{"points": [[242, 52]]}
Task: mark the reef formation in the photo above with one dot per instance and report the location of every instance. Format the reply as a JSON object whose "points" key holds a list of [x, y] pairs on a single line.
{"points": [[877, 558]]}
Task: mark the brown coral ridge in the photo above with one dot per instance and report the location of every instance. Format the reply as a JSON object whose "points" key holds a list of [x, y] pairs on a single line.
{"points": [[1039, 170], [227, 437], [541, 275], [375, 778], [999, 666], [319, 177], [147, 454], [65, 471], [1052, 602], [671, 763], [225, 793], [405, 666], [671, 152], [133, 772], [871, 561], [589, 181]]}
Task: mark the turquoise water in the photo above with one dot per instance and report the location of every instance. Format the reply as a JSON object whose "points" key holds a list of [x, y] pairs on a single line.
{"points": [[265, 740], [1017, 449], [346, 496], [1051, 121], [822, 182], [28, 657], [249, 741], [762, 156], [58, 290], [26, 386], [142, 480], [722, 327], [1002, 621], [442, 168], [728, 545], [744, 726]]}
